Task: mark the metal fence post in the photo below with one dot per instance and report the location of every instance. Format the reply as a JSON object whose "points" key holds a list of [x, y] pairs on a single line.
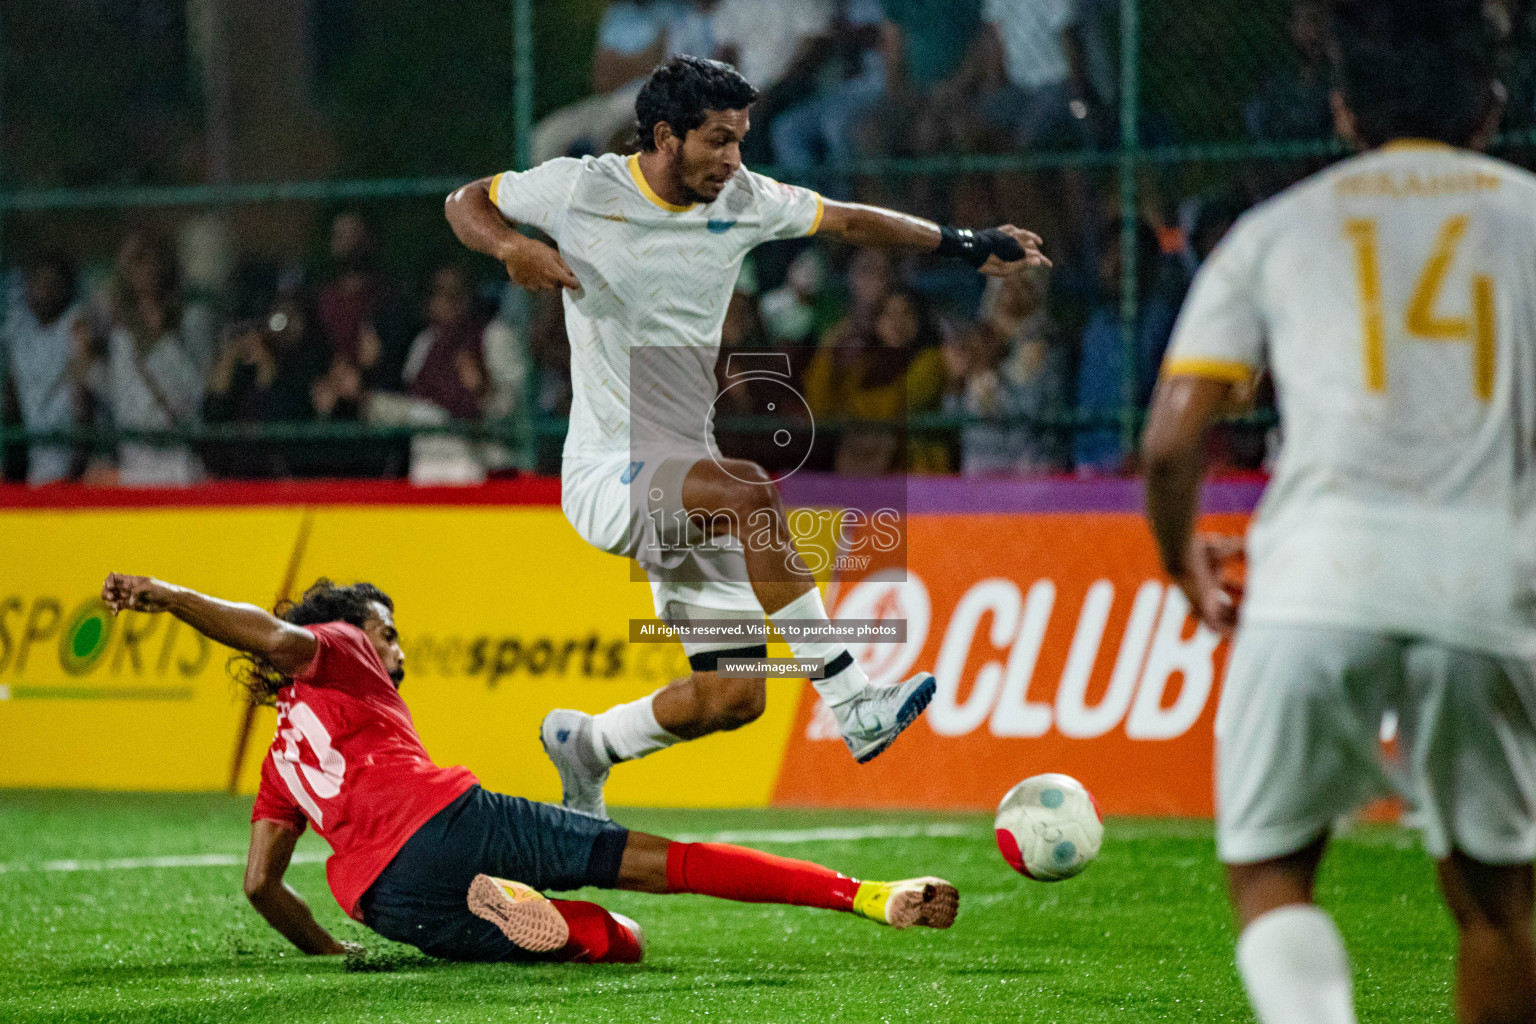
{"points": [[526, 436], [1130, 66], [522, 82], [5, 291]]}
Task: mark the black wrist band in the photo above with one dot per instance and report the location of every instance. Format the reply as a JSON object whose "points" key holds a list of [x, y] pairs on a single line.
{"points": [[975, 247]]}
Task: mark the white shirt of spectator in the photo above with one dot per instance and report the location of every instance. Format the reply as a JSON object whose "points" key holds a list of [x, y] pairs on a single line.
{"points": [[629, 28], [156, 390], [1031, 32], [652, 274], [767, 36], [1393, 296]]}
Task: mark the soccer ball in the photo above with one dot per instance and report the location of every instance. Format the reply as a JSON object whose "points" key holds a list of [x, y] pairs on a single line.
{"points": [[1048, 827]]}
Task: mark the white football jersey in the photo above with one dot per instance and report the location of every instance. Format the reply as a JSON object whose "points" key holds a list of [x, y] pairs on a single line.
{"points": [[653, 275], [1393, 297]]}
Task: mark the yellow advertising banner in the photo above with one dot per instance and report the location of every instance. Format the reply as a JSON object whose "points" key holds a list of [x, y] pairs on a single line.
{"points": [[134, 701], [504, 613]]}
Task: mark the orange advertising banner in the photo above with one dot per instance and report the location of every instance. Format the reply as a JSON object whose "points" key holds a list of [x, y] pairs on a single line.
{"points": [[1058, 646]]}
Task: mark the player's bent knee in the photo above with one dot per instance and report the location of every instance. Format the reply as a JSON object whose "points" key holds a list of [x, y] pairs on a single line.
{"points": [[733, 703]]}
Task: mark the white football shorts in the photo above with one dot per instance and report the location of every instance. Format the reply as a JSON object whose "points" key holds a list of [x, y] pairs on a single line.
{"points": [[632, 506], [1299, 741]]}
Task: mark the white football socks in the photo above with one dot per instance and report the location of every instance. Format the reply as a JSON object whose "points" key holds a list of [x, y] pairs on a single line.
{"points": [[627, 731], [1294, 966], [847, 683]]}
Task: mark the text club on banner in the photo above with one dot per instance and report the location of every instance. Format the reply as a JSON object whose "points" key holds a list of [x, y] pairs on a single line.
{"points": [[1058, 646]]}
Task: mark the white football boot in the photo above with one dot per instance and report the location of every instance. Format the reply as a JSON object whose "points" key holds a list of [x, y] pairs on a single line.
{"points": [[567, 738], [871, 721]]}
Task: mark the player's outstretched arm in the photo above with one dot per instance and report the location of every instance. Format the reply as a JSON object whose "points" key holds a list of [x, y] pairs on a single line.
{"points": [[996, 252], [479, 224], [245, 627], [1173, 454], [265, 864]]}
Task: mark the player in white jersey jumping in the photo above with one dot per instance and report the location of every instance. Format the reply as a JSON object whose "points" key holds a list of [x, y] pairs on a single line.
{"points": [[650, 247], [1392, 563]]}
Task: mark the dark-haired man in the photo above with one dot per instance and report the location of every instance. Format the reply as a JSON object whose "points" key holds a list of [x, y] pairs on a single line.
{"points": [[423, 855], [46, 340], [1392, 566], [649, 251]]}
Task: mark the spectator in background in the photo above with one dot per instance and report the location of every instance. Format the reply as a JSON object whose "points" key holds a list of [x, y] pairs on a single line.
{"points": [[776, 45], [850, 79], [1011, 364], [900, 373], [632, 38], [1293, 105], [551, 351], [1022, 86], [266, 373], [923, 45], [870, 280], [1044, 96], [791, 313], [1101, 372], [466, 365], [363, 313], [47, 341], [1513, 23], [153, 377], [767, 39]]}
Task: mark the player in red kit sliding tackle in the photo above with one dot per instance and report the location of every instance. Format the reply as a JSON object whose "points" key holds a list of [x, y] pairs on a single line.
{"points": [[422, 854]]}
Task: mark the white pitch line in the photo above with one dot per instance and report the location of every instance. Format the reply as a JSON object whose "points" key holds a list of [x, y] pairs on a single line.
{"points": [[830, 835], [231, 860], [200, 860]]}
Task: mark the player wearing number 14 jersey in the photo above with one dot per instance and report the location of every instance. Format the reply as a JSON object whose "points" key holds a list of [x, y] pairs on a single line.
{"points": [[422, 854], [1392, 564]]}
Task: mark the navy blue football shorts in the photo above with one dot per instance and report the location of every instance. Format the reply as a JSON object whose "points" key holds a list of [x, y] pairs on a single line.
{"points": [[421, 898]]}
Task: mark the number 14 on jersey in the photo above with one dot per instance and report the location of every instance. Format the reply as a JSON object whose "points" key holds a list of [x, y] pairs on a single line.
{"points": [[1423, 319]]}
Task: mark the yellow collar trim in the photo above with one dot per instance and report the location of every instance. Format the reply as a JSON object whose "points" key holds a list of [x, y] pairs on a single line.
{"points": [[650, 193], [1397, 144]]}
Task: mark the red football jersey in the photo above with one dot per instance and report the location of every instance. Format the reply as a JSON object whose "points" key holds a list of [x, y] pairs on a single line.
{"points": [[347, 760]]}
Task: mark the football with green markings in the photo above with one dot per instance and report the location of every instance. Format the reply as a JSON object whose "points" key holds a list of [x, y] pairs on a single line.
{"points": [[1049, 828]]}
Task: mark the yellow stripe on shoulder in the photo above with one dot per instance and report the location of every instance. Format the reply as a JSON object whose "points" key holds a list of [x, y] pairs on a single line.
{"points": [[821, 210], [1211, 369], [496, 190]]}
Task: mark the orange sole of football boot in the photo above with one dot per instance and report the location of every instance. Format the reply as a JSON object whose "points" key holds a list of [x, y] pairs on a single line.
{"points": [[932, 906], [527, 919]]}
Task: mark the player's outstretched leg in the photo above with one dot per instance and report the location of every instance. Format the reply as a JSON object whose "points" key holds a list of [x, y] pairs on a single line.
{"points": [[739, 497], [569, 739], [653, 864], [584, 747]]}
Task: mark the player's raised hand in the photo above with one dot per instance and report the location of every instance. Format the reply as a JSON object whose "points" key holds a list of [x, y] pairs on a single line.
{"points": [[1029, 246], [537, 267], [136, 593], [1210, 594]]}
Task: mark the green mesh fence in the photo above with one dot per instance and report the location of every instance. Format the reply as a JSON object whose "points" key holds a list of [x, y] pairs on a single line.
{"points": [[1208, 107]]}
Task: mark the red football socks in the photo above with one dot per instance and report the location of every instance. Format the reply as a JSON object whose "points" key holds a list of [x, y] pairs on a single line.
{"points": [[737, 873], [596, 938]]}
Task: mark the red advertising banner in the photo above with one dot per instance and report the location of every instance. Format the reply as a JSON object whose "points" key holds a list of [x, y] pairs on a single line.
{"points": [[1058, 647]]}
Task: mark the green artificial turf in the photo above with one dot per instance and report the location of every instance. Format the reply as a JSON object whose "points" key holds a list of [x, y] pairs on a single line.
{"points": [[1145, 934]]}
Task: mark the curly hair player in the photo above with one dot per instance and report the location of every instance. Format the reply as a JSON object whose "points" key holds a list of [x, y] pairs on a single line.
{"points": [[650, 247], [423, 855]]}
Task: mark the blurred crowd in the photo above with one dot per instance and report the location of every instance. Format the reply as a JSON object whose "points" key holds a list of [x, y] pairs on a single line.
{"points": [[129, 350], [1036, 367]]}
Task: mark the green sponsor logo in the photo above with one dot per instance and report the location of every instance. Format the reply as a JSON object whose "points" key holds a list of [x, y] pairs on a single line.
{"points": [[85, 637]]}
